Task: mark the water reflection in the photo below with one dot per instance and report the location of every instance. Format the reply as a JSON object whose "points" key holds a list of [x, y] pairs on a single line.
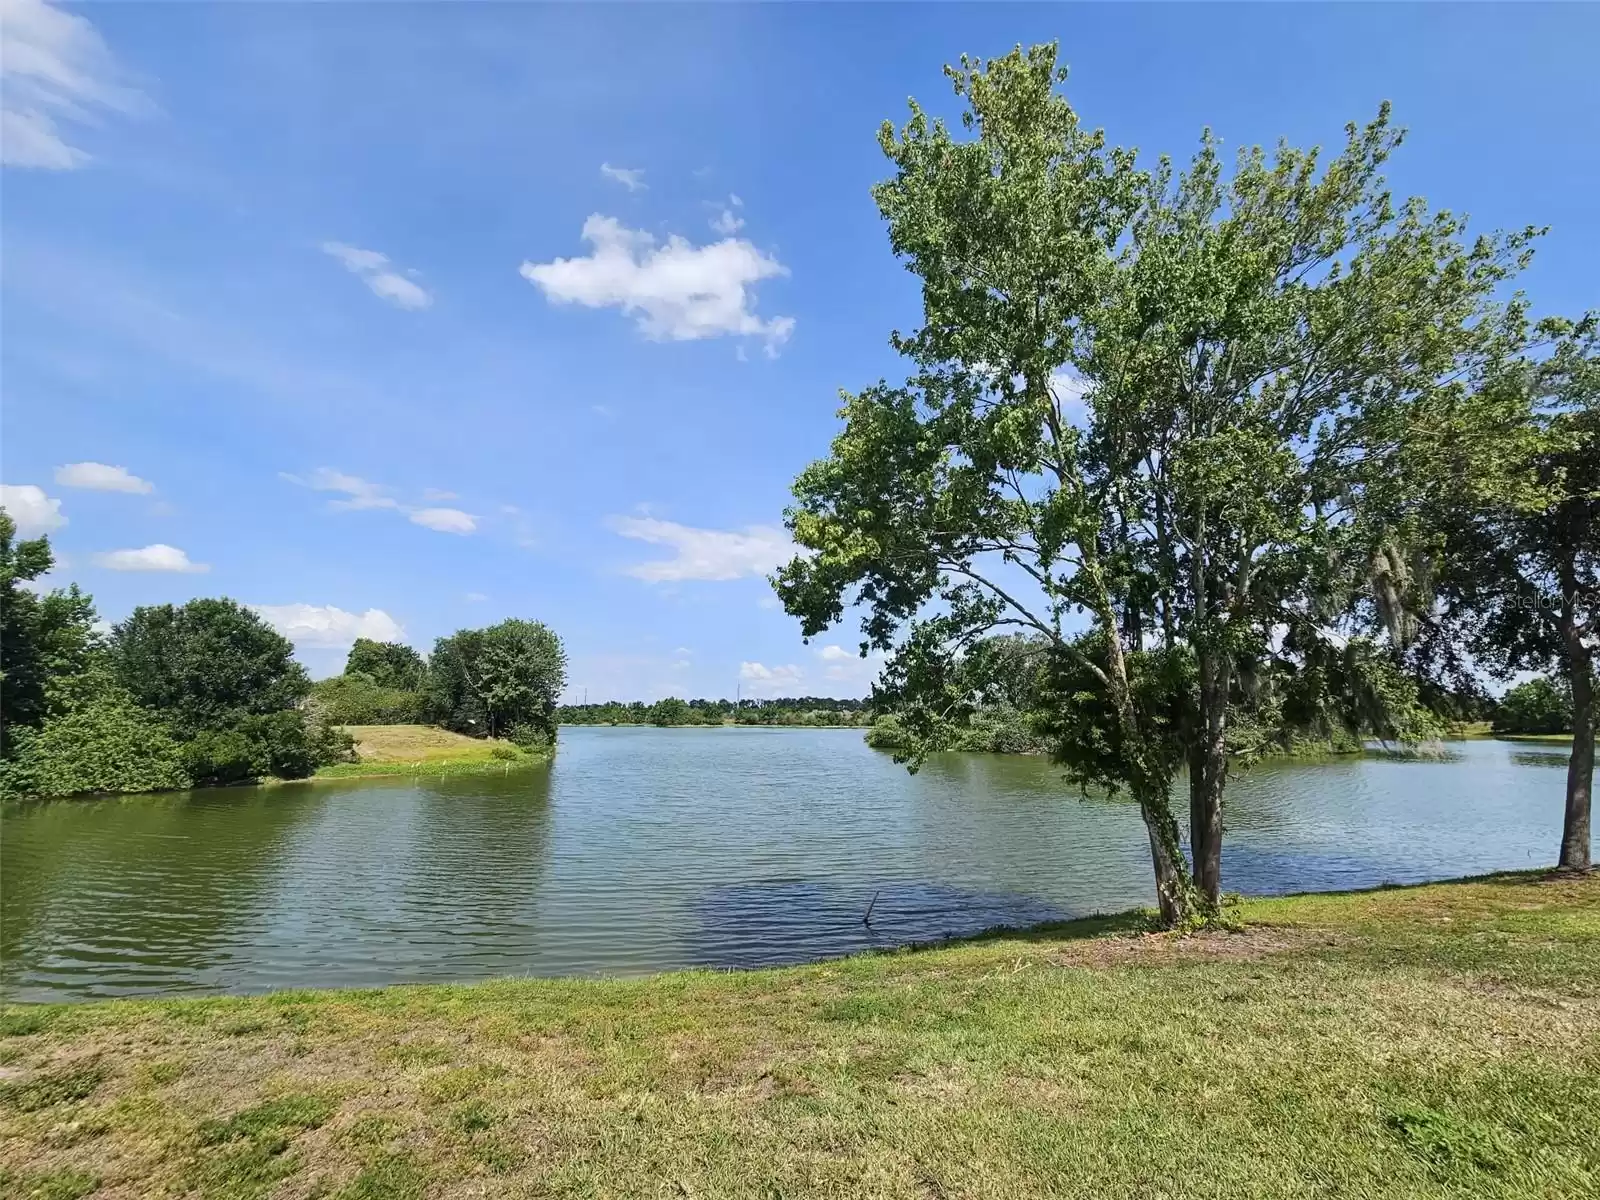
{"points": [[643, 849]]}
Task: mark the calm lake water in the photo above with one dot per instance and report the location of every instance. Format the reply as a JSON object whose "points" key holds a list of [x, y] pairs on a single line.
{"points": [[643, 849]]}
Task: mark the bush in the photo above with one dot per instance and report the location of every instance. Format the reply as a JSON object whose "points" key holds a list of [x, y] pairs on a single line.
{"points": [[532, 737], [1541, 705], [505, 753], [288, 745], [355, 698], [106, 743], [218, 757]]}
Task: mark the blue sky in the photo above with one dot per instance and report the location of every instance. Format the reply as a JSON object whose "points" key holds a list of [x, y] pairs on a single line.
{"points": [[403, 319]]}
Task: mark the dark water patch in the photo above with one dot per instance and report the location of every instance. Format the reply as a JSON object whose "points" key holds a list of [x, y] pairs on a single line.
{"points": [[783, 923]]}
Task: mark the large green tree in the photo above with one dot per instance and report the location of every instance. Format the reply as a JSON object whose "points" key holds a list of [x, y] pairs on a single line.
{"points": [[502, 681], [1140, 422], [389, 664], [206, 665], [1520, 523], [42, 636]]}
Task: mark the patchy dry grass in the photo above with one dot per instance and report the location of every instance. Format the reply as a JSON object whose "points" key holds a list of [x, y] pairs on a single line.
{"points": [[1437, 1041], [384, 750]]}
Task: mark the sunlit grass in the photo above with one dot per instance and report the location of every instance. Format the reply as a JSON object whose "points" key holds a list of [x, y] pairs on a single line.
{"points": [[391, 750], [1436, 1041]]}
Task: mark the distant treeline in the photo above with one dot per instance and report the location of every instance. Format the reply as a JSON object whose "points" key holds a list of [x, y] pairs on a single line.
{"points": [[800, 710]]}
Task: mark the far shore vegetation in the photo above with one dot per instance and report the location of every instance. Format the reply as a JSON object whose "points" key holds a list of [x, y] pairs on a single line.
{"points": [[207, 694], [809, 711], [1403, 1043]]}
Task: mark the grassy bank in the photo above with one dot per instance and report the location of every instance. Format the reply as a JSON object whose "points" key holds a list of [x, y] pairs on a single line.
{"points": [[1419, 1042], [1555, 739], [384, 750]]}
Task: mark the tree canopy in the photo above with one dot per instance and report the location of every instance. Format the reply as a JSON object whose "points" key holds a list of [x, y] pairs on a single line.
{"points": [[1148, 419], [206, 664], [42, 637], [387, 664], [1515, 508], [502, 681]]}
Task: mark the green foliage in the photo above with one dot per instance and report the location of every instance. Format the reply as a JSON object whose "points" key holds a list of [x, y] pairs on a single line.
{"points": [[41, 637], [284, 744], [356, 698], [1163, 403], [387, 664], [489, 682], [1515, 509], [206, 665], [1541, 705], [672, 711], [98, 741]]}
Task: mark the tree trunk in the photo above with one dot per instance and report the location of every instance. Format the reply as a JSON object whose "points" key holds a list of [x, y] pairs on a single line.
{"points": [[1580, 767], [1208, 776], [1175, 896]]}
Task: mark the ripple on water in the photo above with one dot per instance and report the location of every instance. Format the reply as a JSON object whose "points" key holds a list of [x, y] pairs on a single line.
{"points": [[642, 850]]}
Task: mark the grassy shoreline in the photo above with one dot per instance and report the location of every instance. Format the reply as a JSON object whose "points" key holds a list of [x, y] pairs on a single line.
{"points": [[1440, 1040], [407, 751]]}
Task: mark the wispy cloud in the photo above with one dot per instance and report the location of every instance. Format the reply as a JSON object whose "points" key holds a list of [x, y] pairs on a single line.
{"points": [[357, 494], [33, 512], [55, 69], [631, 178], [444, 520], [97, 477], [380, 275], [711, 554], [847, 666], [156, 557], [728, 222], [675, 291], [326, 627]]}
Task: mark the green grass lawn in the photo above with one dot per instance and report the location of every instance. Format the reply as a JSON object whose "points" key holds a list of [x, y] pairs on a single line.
{"points": [[383, 750], [1438, 1041]]}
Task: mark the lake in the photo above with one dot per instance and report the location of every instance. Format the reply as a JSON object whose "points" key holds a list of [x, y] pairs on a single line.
{"points": [[643, 849]]}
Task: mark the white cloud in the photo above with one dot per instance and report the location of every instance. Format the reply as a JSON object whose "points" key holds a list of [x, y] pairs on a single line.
{"points": [[631, 178], [380, 276], [97, 477], [474, 597], [361, 494], [444, 520], [726, 223], [438, 494], [33, 511], [676, 291], [770, 681], [706, 553], [156, 557], [1071, 392], [847, 666], [55, 67], [325, 627]]}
